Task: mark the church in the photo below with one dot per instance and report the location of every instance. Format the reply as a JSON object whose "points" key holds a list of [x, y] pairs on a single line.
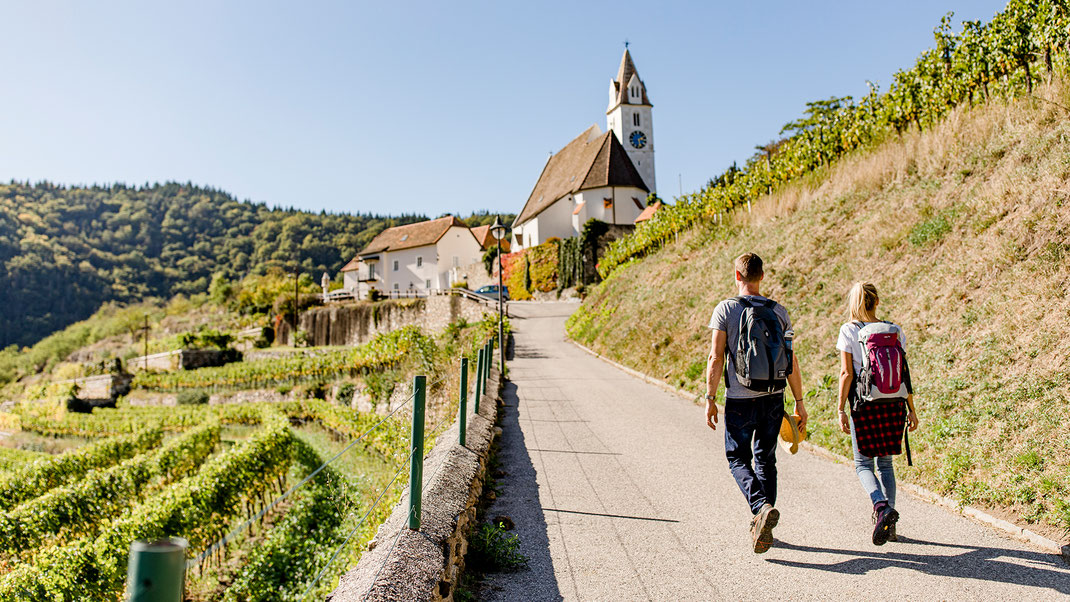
{"points": [[602, 175]]}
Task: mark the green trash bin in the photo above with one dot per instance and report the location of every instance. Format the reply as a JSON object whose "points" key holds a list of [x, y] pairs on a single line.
{"points": [[157, 571]]}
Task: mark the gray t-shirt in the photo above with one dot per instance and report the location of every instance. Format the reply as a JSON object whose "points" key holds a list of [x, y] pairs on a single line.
{"points": [[726, 317]]}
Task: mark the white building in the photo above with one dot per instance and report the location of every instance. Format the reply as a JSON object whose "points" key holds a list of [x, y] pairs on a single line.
{"points": [[413, 259], [596, 175]]}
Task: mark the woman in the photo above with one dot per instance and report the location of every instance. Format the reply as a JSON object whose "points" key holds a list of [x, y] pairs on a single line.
{"points": [[881, 421]]}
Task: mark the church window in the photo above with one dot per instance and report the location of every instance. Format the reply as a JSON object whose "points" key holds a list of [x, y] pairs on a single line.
{"points": [[635, 120]]}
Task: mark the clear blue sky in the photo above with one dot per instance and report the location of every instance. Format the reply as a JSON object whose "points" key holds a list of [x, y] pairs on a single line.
{"points": [[428, 107]]}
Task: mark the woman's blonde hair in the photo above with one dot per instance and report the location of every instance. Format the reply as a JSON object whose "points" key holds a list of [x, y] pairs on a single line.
{"points": [[862, 302]]}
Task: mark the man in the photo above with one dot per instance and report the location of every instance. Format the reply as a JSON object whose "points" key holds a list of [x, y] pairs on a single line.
{"points": [[755, 334]]}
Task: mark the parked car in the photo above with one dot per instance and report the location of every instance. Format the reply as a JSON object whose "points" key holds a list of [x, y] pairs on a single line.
{"points": [[491, 292]]}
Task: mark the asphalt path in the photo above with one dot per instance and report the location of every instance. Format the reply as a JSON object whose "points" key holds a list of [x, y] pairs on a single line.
{"points": [[619, 491]]}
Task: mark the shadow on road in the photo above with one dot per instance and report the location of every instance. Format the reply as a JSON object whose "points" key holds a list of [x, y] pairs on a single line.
{"points": [[980, 563], [519, 499]]}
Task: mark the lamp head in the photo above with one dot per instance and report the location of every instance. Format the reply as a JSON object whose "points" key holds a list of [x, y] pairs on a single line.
{"points": [[497, 230]]}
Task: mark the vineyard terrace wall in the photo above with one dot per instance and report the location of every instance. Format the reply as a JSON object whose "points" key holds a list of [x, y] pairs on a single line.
{"points": [[356, 323], [427, 565]]}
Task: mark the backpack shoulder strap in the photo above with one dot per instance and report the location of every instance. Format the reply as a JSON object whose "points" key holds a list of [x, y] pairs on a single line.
{"points": [[745, 302]]}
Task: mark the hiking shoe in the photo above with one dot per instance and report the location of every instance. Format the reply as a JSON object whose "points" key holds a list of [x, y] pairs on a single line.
{"points": [[891, 533], [761, 528], [886, 517]]}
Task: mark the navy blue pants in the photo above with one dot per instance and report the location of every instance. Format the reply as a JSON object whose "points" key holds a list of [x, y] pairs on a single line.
{"points": [[751, 427]]}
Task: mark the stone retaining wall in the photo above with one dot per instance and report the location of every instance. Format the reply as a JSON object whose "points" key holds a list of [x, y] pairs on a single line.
{"points": [[426, 565], [180, 359], [355, 323]]}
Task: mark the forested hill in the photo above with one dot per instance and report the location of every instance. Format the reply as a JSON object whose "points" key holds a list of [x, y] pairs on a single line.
{"points": [[66, 250]]}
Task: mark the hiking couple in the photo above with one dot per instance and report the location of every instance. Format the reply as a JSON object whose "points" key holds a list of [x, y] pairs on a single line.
{"points": [[752, 347]]}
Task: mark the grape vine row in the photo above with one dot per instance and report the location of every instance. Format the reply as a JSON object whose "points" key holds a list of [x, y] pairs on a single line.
{"points": [[37, 478], [74, 509]]}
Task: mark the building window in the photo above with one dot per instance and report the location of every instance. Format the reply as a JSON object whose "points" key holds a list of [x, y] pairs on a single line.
{"points": [[419, 261], [371, 271], [428, 285], [635, 120], [395, 286], [395, 265]]}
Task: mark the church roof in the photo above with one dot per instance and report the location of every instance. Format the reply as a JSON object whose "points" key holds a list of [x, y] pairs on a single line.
{"points": [[411, 235], [591, 160], [620, 85]]}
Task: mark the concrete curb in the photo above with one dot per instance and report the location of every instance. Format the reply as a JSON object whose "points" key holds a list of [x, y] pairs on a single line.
{"points": [[1011, 529], [401, 564]]}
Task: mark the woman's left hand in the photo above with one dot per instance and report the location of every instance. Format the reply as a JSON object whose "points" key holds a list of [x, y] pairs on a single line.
{"points": [[912, 421]]}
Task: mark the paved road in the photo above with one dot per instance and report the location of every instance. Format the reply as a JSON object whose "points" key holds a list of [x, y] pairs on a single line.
{"points": [[620, 492]]}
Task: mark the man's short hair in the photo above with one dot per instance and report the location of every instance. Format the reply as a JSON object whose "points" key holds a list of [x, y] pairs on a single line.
{"points": [[749, 267]]}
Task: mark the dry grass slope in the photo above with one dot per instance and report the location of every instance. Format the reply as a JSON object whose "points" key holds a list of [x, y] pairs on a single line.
{"points": [[965, 230]]}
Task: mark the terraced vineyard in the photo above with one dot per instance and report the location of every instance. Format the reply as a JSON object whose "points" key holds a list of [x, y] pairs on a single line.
{"points": [[383, 351], [67, 521], [219, 476]]}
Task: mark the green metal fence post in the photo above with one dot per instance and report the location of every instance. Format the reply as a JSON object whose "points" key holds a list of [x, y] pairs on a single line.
{"points": [[416, 466], [490, 357], [463, 410], [479, 380], [157, 571], [486, 368]]}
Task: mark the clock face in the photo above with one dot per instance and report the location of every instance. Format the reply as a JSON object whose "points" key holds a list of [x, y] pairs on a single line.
{"points": [[638, 139]]}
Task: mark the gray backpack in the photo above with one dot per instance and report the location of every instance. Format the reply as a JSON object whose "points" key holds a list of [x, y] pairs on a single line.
{"points": [[763, 355]]}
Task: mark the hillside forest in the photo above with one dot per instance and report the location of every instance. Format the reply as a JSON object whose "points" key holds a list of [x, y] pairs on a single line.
{"points": [[66, 251]]}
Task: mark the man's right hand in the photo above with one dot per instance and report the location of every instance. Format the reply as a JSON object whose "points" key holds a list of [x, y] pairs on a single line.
{"points": [[711, 414]]}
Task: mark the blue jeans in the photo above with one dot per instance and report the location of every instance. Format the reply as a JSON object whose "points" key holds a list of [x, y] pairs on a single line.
{"points": [[882, 491], [751, 427]]}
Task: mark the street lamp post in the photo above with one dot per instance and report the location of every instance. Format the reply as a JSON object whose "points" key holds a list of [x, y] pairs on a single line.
{"points": [[498, 231]]}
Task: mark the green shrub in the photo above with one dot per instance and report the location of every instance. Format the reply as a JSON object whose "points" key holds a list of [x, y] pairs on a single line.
{"points": [[345, 393], [493, 549], [196, 397]]}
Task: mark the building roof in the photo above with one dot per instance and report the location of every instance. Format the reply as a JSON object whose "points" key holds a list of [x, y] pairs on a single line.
{"points": [[353, 265], [649, 212], [591, 160], [486, 239], [411, 235], [620, 85]]}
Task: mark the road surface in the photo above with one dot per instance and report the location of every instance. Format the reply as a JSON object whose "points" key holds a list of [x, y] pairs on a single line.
{"points": [[619, 491]]}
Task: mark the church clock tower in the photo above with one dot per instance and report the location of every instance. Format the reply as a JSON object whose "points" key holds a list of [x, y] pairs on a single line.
{"points": [[629, 117]]}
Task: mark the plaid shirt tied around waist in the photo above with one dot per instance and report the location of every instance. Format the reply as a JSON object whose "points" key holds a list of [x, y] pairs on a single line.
{"points": [[879, 427]]}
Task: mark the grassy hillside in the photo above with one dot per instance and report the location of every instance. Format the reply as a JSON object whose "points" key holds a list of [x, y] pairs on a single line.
{"points": [[965, 230]]}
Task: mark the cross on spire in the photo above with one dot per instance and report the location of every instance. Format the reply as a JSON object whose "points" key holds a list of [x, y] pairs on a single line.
{"points": [[626, 43]]}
